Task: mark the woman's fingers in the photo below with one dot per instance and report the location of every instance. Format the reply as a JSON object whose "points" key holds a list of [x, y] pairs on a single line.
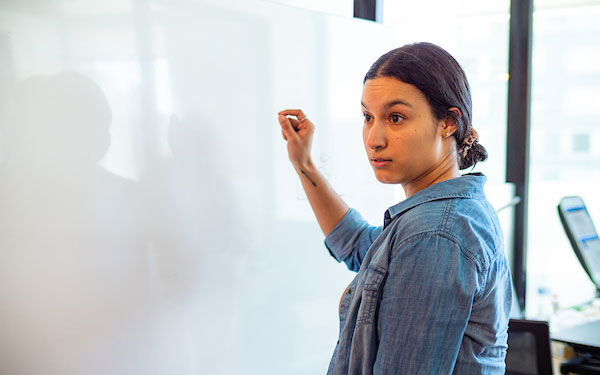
{"points": [[297, 130], [295, 123], [294, 112], [287, 129]]}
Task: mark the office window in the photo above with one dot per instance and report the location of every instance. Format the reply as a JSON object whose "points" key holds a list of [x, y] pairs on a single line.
{"points": [[581, 142], [564, 140]]}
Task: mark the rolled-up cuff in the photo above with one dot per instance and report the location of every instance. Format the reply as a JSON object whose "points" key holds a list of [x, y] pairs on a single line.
{"points": [[337, 239]]}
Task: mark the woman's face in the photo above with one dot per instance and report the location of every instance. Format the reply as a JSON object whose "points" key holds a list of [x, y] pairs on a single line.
{"points": [[404, 142]]}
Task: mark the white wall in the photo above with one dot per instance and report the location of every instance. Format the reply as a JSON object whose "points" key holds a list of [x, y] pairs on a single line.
{"points": [[150, 222]]}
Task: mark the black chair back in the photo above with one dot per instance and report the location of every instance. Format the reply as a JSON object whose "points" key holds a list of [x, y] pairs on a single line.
{"points": [[529, 350]]}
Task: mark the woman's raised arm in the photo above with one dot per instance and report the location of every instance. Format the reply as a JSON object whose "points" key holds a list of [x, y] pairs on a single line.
{"points": [[328, 206]]}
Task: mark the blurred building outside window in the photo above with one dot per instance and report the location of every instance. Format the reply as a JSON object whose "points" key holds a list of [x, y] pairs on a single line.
{"points": [[565, 148]]}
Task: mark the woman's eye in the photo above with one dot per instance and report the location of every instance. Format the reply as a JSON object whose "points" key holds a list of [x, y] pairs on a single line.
{"points": [[367, 117], [396, 118]]}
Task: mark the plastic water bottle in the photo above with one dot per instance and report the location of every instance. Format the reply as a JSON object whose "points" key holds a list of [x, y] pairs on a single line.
{"points": [[545, 305]]}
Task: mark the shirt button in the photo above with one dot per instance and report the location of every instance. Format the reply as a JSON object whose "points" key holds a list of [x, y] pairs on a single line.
{"points": [[349, 290], [338, 342]]}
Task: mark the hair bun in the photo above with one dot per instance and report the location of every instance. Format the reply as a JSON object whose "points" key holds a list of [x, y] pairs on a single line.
{"points": [[475, 153]]}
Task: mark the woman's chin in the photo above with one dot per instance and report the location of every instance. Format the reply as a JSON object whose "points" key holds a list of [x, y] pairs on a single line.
{"points": [[385, 178]]}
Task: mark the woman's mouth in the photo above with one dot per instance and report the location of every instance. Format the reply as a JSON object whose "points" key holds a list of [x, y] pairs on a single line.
{"points": [[379, 162]]}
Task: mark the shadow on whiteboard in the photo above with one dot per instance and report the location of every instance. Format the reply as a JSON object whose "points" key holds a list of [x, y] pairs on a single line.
{"points": [[97, 267]]}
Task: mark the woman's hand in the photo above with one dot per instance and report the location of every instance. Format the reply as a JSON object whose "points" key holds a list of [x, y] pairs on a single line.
{"points": [[328, 206], [298, 132]]}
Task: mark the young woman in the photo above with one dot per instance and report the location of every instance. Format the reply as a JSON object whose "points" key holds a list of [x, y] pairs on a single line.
{"points": [[433, 289]]}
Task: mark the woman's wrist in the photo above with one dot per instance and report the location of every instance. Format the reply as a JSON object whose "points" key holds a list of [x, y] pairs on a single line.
{"points": [[307, 166]]}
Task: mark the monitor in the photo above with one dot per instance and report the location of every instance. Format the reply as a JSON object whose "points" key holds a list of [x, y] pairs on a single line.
{"points": [[582, 234]]}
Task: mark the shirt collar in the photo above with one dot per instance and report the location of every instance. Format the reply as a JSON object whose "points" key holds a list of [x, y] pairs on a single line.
{"points": [[467, 186]]}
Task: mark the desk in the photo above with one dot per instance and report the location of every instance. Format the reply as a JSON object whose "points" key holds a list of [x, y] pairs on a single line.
{"points": [[585, 340], [586, 336]]}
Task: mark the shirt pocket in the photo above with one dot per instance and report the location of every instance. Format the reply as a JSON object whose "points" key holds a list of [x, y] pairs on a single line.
{"points": [[372, 284]]}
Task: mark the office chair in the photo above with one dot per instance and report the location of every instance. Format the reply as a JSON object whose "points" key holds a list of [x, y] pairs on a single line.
{"points": [[529, 350]]}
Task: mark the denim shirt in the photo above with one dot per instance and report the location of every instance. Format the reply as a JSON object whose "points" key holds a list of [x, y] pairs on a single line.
{"points": [[433, 289]]}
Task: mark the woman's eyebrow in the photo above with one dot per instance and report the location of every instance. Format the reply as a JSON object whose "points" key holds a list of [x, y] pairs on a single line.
{"points": [[392, 103], [396, 102]]}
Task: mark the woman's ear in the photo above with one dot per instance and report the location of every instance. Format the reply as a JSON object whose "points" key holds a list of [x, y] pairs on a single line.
{"points": [[449, 123]]}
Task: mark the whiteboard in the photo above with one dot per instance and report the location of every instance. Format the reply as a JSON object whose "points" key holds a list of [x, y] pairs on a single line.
{"points": [[150, 222]]}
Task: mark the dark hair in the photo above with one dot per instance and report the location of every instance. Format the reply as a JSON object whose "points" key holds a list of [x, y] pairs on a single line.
{"points": [[443, 82]]}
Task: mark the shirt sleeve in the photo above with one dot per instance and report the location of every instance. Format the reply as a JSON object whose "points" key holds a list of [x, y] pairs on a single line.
{"points": [[349, 241], [425, 307]]}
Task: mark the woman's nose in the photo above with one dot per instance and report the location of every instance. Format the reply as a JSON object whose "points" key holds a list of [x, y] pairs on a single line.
{"points": [[376, 136]]}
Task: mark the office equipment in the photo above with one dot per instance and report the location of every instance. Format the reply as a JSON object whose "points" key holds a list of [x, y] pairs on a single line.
{"points": [[585, 340], [528, 350], [582, 234]]}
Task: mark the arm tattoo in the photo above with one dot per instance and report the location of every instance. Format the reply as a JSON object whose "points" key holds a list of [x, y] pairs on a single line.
{"points": [[307, 176]]}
